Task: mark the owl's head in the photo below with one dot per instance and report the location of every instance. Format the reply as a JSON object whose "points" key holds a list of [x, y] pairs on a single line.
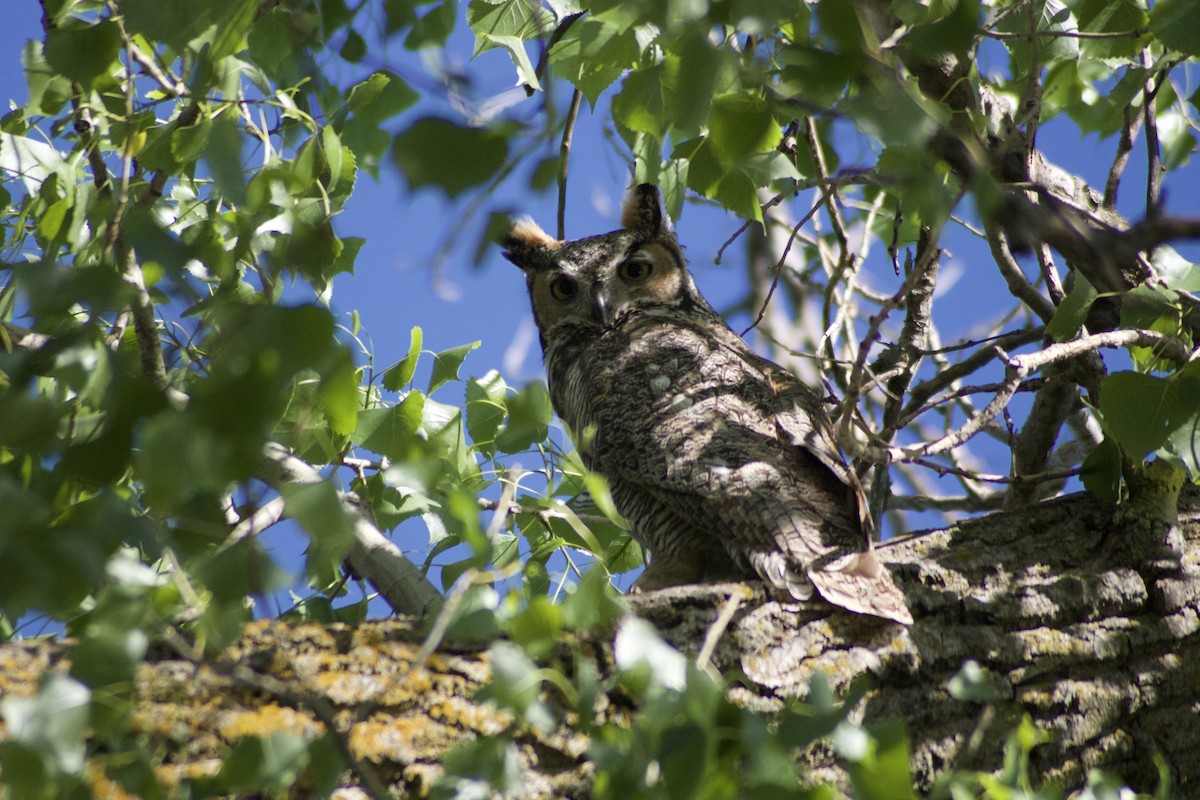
{"points": [[601, 280]]}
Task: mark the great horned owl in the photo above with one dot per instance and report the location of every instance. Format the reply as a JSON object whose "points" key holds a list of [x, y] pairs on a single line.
{"points": [[722, 461]]}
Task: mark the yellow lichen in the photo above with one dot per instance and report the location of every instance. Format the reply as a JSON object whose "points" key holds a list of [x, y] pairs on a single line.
{"points": [[266, 720]]}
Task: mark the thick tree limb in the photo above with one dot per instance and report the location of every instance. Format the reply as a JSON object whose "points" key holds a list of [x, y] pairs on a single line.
{"points": [[1102, 652]]}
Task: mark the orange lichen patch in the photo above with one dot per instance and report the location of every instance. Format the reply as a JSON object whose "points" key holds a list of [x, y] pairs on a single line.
{"points": [[402, 740], [475, 717], [266, 720]]}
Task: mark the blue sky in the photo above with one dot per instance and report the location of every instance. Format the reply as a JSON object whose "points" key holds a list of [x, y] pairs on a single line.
{"points": [[395, 288]]}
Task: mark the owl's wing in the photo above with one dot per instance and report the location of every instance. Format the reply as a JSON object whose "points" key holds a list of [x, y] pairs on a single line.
{"points": [[800, 420]]}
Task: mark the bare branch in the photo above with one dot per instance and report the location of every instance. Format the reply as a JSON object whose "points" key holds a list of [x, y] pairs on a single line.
{"points": [[373, 556], [1018, 284], [762, 311], [905, 355], [564, 160], [1129, 132], [1154, 165], [262, 518], [1020, 367]]}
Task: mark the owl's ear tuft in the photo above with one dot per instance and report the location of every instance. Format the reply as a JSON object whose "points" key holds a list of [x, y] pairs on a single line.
{"points": [[642, 211], [524, 239]]}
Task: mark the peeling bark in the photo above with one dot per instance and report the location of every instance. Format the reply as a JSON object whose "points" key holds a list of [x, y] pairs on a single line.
{"points": [[1099, 645]]}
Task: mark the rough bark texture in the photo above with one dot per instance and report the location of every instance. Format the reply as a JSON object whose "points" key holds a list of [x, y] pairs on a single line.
{"points": [[1083, 630]]}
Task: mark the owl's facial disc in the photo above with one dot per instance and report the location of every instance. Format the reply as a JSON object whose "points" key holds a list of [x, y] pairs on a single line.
{"points": [[647, 276]]}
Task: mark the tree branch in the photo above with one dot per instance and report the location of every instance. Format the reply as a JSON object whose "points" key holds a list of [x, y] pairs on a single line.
{"points": [[1019, 367], [373, 556]]}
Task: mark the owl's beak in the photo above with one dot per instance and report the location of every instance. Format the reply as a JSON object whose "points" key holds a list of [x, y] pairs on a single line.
{"points": [[600, 308]]}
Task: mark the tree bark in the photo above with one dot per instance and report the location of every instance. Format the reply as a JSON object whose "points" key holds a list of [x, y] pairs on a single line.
{"points": [[1082, 625]]}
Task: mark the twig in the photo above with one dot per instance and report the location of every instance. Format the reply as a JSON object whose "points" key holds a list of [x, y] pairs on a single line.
{"points": [[1054, 285], [372, 556], [905, 355], [987, 502], [263, 518], [856, 385], [717, 629], [559, 31], [1129, 132], [1010, 270], [1133, 33], [762, 311], [982, 477], [1154, 167], [835, 212], [564, 159], [852, 179], [1019, 367]]}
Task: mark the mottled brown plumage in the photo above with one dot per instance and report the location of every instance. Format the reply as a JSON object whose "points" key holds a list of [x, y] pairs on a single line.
{"points": [[722, 461]]}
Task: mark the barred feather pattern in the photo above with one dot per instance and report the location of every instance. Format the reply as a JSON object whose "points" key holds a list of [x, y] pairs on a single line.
{"points": [[723, 462]]}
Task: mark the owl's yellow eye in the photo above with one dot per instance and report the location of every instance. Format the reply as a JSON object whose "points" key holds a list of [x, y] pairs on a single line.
{"points": [[635, 270], [563, 288]]}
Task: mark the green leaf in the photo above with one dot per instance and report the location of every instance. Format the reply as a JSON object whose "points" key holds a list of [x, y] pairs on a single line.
{"points": [[354, 49], [529, 413], [741, 124], [1154, 309], [275, 44], [446, 365], [1141, 411], [645, 659], [223, 152], [1051, 18], [537, 627], [339, 394], [1184, 442], [953, 33], [517, 19], [1175, 23], [330, 527], [974, 683], [641, 105], [434, 152], [520, 58], [188, 142], [1111, 17], [592, 54], [159, 21], [434, 27], [52, 722], [390, 431], [486, 766], [84, 52], [1071, 313], [485, 409], [515, 686], [268, 765], [594, 603], [232, 27], [398, 376], [378, 98]]}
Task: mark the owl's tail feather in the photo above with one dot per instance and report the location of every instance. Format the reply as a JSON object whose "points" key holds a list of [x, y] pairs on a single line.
{"points": [[860, 583]]}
